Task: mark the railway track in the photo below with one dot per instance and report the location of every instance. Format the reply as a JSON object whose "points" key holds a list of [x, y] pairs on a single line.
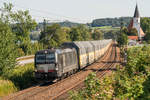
{"points": [[58, 89], [107, 65]]}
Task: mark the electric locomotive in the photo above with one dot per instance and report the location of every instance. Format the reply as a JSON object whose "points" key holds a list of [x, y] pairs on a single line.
{"points": [[55, 63]]}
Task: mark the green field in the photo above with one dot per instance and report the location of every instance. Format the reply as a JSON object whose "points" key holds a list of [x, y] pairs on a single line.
{"points": [[107, 28]]}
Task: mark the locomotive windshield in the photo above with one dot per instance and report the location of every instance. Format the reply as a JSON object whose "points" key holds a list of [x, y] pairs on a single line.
{"points": [[45, 58]]}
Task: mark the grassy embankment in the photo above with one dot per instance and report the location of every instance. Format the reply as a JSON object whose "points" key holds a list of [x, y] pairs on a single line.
{"points": [[6, 87], [131, 82], [107, 28], [17, 79]]}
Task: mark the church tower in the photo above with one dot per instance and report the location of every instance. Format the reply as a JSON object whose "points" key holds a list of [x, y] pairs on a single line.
{"points": [[136, 21]]}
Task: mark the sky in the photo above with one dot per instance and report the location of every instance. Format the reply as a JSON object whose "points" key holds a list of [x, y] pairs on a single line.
{"points": [[81, 11]]}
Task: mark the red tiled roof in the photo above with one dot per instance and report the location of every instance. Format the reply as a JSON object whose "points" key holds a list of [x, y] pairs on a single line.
{"points": [[133, 37], [142, 33]]}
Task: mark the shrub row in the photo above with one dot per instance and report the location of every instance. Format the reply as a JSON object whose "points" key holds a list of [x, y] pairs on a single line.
{"points": [[6, 87], [132, 82], [21, 76]]}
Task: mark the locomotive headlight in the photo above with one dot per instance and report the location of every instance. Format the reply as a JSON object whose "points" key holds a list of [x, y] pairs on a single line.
{"points": [[56, 68], [35, 70]]}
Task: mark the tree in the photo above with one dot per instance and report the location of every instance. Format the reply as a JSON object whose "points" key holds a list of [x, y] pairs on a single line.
{"points": [[97, 35], [145, 24], [67, 31], [111, 34], [24, 25], [147, 36], [53, 36], [21, 23], [75, 34], [132, 32], [125, 30], [85, 32], [80, 33], [7, 48], [122, 39]]}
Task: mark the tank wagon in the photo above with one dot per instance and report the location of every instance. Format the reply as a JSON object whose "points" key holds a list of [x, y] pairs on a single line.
{"points": [[72, 57]]}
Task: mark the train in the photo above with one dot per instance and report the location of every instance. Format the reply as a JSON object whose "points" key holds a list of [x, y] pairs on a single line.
{"points": [[51, 64]]}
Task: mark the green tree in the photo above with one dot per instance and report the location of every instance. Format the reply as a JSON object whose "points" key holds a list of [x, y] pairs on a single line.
{"points": [[53, 36], [145, 24], [7, 48], [125, 30], [21, 23], [67, 31], [132, 32], [80, 33], [85, 32], [122, 39], [75, 34], [24, 25], [147, 36], [110, 34], [97, 35]]}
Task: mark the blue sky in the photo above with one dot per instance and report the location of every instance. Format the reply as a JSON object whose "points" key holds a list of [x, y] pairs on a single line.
{"points": [[81, 11]]}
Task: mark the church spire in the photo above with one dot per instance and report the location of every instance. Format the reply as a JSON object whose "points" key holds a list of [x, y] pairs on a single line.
{"points": [[136, 13]]}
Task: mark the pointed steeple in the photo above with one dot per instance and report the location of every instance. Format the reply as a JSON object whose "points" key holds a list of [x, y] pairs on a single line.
{"points": [[136, 13]]}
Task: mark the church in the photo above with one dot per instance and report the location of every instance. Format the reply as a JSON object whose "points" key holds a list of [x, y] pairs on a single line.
{"points": [[135, 23]]}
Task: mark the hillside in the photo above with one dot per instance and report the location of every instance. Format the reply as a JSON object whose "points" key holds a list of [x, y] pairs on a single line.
{"points": [[63, 24], [114, 22]]}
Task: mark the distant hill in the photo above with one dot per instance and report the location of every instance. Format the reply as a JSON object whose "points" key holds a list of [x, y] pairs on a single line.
{"points": [[63, 24], [68, 24], [114, 22]]}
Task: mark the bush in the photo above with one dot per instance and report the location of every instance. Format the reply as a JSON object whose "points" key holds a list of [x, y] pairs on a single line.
{"points": [[6, 87], [126, 86], [21, 76], [20, 52], [130, 82], [36, 47], [30, 49], [94, 89]]}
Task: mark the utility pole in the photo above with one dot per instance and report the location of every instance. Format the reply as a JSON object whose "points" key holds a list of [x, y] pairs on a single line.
{"points": [[44, 25], [121, 25]]}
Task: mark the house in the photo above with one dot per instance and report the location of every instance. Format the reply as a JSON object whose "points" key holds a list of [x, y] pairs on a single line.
{"points": [[132, 40]]}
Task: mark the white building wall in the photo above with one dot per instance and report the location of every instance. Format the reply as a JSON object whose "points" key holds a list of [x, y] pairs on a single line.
{"points": [[136, 24]]}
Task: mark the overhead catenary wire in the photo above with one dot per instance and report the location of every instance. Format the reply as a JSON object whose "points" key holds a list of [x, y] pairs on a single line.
{"points": [[48, 14]]}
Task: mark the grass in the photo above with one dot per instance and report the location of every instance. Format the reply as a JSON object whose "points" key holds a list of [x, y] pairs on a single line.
{"points": [[107, 28], [19, 78], [22, 76], [6, 87]]}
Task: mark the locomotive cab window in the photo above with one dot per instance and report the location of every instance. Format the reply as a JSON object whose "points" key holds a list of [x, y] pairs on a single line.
{"points": [[45, 58], [40, 59], [50, 58]]}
